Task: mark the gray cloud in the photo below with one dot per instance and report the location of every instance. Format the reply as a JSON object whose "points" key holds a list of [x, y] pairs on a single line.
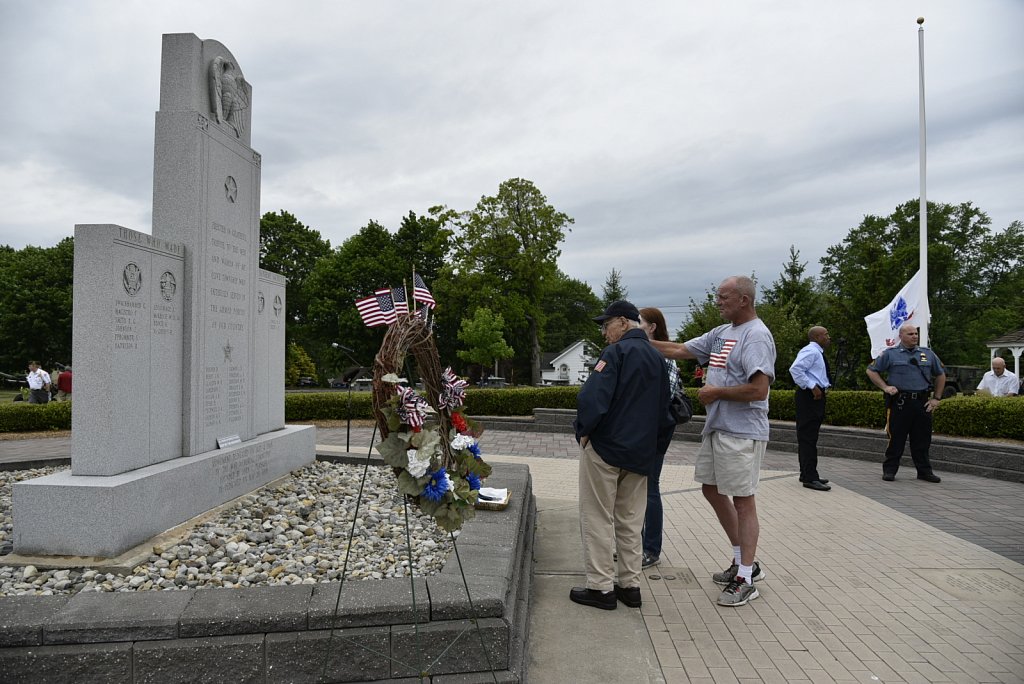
{"points": [[688, 141]]}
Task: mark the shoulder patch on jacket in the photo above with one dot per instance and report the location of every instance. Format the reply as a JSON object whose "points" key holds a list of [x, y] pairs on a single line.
{"points": [[600, 366]]}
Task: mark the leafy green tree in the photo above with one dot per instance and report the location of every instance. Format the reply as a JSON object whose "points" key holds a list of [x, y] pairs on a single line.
{"points": [[569, 307], [35, 304], [364, 262], [512, 239], [425, 241], [974, 278], [613, 289], [291, 249], [297, 364], [482, 335], [795, 290]]}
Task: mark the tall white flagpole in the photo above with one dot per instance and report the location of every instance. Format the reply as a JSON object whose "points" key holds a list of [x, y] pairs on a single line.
{"points": [[924, 196]]}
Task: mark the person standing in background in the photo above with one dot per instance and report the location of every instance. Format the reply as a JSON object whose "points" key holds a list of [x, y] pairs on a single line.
{"points": [[38, 384], [810, 373], [652, 322], [910, 371], [64, 384], [998, 382]]}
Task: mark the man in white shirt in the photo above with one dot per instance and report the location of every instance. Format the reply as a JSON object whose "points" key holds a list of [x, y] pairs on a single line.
{"points": [[38, 384], [810, 373], [998, 382]]}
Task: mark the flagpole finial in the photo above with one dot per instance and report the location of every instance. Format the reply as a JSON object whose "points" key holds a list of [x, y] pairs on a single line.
{"points": [[920, 20]]}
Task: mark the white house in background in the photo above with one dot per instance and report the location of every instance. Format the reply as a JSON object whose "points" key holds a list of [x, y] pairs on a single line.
{"points": [[571, 366]]}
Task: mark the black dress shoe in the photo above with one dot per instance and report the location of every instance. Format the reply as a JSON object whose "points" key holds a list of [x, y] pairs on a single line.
{"points": [[817, 485], [629, 595], [822, 480], [929, 477], [888, 477], [593, 598]]}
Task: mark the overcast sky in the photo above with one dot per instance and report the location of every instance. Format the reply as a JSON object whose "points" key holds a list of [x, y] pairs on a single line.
{"points": [[688, 140]]}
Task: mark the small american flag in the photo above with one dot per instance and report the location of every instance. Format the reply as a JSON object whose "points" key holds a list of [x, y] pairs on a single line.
{"points": [[420, 293], [401, 304], [378, 309], [720, 352]]}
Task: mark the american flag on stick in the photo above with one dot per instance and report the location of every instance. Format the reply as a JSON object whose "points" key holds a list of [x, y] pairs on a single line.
{"points": [[420, 293], [378, 309], [401, 303]]}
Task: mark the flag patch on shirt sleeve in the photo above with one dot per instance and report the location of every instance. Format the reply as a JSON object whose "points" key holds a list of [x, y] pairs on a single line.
{"points": [[600, 366]]}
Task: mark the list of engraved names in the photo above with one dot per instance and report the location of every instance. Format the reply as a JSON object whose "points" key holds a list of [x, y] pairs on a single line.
{"points": [[227, 276]]}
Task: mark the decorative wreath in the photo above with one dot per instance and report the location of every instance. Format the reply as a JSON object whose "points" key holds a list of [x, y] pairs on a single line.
{"points": [[429, 442]]}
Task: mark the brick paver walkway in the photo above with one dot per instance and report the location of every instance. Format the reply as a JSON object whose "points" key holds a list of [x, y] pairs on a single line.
{"points": [[871, 582]]}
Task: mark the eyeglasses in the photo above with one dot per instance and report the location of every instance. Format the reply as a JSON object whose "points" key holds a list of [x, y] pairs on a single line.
{"points": [[604, 326]]}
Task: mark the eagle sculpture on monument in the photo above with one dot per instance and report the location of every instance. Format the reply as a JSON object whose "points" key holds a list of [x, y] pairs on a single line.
{"points": [[229, 94]]}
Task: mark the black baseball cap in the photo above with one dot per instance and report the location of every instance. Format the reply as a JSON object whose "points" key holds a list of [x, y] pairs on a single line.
{"points": [[619, 308]]}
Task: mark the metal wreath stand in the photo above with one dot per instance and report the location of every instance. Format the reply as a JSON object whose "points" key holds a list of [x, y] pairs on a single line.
{"points": [[409, 333]]}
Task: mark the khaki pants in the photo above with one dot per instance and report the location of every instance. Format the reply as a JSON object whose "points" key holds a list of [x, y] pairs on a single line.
{"points": [[612, 506]]}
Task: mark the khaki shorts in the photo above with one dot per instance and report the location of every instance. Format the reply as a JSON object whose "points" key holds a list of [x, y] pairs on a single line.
{"points": [[731, 463]]}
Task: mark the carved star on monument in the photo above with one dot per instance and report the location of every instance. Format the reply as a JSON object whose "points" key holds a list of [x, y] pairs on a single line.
{"points": [[231, 189]]}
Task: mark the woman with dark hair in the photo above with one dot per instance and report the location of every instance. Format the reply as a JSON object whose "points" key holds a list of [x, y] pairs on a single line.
{"points": [[652, 321]]}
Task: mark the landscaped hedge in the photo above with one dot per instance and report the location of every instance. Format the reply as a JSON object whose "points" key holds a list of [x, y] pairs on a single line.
{"points": [[300, 406], [958, 416], [20, 416]]}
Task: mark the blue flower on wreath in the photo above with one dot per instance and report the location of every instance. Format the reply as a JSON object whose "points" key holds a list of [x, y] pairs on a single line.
{"points": [[474, 449], [437, 486], [474, 481]]}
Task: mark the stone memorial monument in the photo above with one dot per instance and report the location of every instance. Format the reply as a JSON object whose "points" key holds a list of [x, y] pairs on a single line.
{"points": [[178, 337]]}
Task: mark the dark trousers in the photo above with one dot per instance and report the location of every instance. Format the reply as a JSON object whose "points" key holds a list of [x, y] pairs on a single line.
{"points": [[810, 412], [654, 519], [907, 417], [39, 396]]}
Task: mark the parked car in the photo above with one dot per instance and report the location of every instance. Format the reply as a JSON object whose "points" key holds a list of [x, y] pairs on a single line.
{"points": [[306, 381]]}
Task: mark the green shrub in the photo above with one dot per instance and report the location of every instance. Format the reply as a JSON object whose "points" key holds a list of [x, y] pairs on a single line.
{"points": [[1000, 417], [518, 401], [19, 416], [326, 405]]}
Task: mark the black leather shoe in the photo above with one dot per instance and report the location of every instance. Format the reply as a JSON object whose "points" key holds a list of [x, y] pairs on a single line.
{"points": [[888, 477], [822, 480], [929, 477], [629, 595], [817, 485], [593, 598]]}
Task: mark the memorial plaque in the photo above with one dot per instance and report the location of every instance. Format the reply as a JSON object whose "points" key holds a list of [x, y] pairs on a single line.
{"points": [[127, 350], [976, 584]]}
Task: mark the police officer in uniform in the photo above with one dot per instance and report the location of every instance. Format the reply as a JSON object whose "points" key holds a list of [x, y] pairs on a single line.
{"points": [[910, 372]]}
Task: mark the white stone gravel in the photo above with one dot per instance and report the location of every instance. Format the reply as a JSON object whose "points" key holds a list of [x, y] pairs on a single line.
{"points": [[295, 533]]}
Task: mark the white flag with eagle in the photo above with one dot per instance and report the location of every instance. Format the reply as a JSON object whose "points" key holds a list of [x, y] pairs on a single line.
{"points": [[909, 304]]}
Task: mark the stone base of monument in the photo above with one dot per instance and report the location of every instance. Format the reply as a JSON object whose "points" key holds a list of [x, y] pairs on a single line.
{"points": [[85, 515], [293, 633]]}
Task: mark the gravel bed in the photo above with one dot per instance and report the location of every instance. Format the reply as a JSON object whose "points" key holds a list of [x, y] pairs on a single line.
{"points": [[295, 533]]}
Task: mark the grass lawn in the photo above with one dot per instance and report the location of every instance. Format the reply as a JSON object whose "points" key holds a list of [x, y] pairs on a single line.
{"points": [[8, 394]]}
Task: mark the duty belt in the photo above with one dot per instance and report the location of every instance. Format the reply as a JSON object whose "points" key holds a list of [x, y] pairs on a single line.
{"points": [[919, 394]]}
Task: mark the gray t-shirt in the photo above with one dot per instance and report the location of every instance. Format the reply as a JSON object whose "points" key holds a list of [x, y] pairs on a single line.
{"points": [[733, 354]]}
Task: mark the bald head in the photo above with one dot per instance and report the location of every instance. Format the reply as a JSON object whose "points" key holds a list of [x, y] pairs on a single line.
{"points": [[998, 366], [735, 299], [909, 335], [820, 335]]}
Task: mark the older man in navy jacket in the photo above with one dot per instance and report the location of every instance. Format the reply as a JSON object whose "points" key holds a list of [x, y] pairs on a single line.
{"points": [[622, 425]]}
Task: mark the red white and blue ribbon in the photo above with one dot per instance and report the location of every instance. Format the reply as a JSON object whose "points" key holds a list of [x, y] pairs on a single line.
{"points": [[453, 390]]}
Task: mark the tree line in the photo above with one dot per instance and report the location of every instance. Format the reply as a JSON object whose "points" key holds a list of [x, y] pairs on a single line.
{"points": [[503, 300]]}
